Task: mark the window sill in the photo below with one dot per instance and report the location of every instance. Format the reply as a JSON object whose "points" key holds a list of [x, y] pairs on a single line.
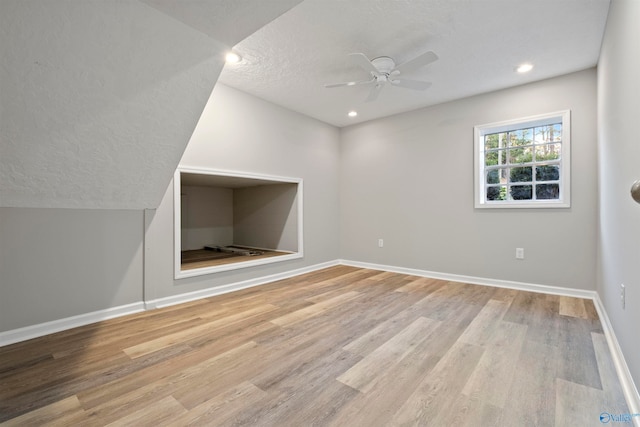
{"points": [[521, 205], [183, 274]]}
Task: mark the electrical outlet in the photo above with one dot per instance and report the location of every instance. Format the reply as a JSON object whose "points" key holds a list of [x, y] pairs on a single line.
{"points": [[380, 243], [622, 295], [519, 253]]}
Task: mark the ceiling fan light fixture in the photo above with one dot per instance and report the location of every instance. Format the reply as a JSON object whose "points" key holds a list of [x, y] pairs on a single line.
{"points": [[524, 68]]}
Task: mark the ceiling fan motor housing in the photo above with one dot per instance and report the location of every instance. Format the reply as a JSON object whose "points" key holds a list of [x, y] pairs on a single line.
{"points": [[383, 64]]}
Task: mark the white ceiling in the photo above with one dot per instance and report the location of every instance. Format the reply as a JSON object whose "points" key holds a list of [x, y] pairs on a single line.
{"points": [[226, 21], [479, 43]]}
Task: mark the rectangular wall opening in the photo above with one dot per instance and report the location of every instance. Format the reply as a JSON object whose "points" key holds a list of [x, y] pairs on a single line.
{"points": [[229, 220]]}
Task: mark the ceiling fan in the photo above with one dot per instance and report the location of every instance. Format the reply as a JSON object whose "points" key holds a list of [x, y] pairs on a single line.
{"points": [[384, 70]]}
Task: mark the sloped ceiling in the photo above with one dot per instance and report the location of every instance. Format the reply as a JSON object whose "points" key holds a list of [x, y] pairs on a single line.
{"points": [[99, 98], [479, 42]]}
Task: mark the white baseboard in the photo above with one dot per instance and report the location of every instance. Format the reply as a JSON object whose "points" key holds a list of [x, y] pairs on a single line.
{"points": [[531, 287], [34, 331], [219, 290], [626, 380], [41, 329]]}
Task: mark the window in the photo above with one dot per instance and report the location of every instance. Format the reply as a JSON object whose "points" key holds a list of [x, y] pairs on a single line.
{"points": [[523, 163]]}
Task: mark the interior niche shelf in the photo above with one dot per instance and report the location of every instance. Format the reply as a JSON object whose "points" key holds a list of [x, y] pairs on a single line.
{"points": [[226, 220]]}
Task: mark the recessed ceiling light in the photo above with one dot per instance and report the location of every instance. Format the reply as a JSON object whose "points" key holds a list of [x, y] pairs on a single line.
{"points": [[352, 113], [524, 68], [233, 58]]}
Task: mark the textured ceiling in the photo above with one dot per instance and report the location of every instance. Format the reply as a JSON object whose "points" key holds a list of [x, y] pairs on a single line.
{"points": [[99, 98], [479, 43], [226, 21]]}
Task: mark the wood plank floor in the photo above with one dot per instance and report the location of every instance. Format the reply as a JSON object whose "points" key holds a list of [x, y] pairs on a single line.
{"points": [[339, 347]]}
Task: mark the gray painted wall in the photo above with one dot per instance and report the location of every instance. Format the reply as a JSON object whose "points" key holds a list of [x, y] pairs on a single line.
{"points": [[408, 179], [263, 216], [266, 217], [619, 159], [57, 263], [207, 216], [241, 133]]}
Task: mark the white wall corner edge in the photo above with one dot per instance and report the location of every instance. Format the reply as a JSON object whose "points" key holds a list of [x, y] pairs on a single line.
{"points": [[624, 375]]}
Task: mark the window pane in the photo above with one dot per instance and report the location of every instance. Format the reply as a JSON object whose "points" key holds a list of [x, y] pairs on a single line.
{"points": [[549, 133], [491, 141], [520, 155], [548, 173], [547, 152], [493, 158], [520, 137], [521, 174], [497, 193], [548, 191], [493, 176], [521, 192]]}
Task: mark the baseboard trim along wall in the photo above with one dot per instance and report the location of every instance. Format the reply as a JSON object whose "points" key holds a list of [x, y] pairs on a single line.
{"points": [[543, 289], [626, 381], [41, 329], [629, 388], [231, 287]]}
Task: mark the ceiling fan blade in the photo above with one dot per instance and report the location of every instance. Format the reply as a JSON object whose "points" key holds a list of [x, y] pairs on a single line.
{"points": [[363, 62], [375, 91], [361, 82], [411, 84], [417, 62]]}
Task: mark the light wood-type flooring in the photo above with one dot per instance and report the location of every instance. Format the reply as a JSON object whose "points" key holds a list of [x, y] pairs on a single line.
{"points": [[341, 346]]}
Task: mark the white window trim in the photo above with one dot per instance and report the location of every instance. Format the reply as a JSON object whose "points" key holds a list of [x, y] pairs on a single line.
{"points": [[564, 200], [182, 274]]}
